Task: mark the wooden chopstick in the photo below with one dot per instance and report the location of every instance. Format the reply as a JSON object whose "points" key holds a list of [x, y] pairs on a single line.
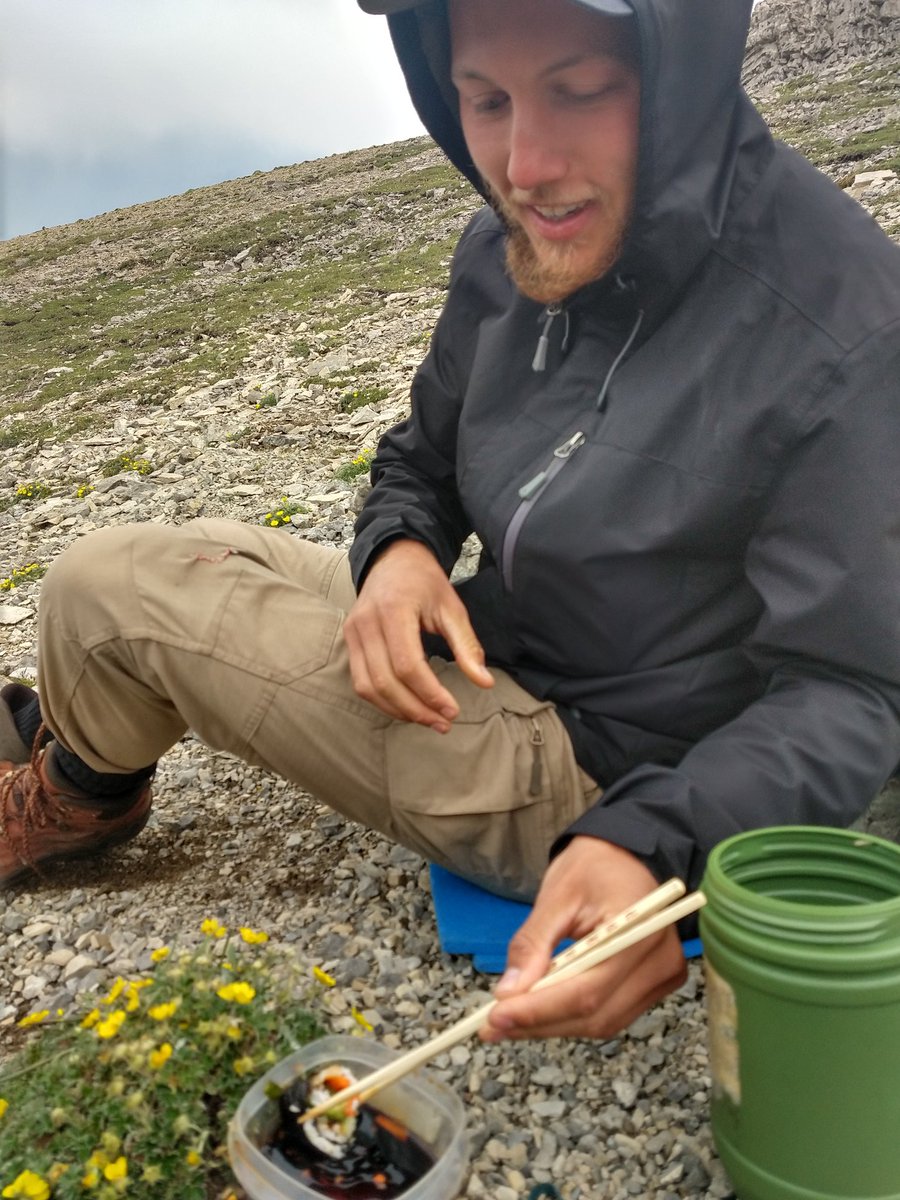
{"points": [[636, 922]]}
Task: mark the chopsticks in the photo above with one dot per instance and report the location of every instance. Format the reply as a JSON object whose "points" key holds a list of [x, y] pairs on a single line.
{"points": [[648, 915]]}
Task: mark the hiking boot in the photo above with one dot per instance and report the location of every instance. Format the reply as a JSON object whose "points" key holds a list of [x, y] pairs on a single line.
{"points": [[13, 697], [43, 819]]}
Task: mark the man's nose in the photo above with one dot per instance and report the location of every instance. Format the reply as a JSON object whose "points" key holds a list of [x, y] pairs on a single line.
{"points": [[536, 154]]}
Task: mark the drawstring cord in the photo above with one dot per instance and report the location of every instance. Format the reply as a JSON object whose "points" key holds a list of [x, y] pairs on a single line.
{"points": [[552, 311], [601, 399]]}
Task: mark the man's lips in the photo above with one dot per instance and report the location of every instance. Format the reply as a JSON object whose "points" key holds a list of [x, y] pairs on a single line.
{"points": [[557, 222]]}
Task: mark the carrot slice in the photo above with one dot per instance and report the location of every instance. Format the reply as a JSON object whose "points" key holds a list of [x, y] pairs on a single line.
{"points": [[337, 1082], [400, 1132]]}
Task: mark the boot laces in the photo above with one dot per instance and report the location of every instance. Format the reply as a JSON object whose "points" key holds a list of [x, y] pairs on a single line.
{"points": [[23, 788]]}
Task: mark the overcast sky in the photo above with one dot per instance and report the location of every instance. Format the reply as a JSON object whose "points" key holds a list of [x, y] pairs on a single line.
{"points": [[105, 103]]}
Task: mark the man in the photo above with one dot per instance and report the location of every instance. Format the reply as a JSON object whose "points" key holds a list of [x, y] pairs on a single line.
{"points": [[663, 392]]}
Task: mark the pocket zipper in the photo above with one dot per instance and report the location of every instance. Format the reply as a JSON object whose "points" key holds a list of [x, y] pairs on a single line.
{"points": [[529, 493], [537, 740]]}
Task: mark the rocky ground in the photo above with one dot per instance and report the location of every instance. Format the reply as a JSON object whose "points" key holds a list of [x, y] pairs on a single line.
{"points": [[233, 352]]}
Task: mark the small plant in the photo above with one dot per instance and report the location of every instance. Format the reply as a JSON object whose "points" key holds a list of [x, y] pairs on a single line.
{"points": [[134, 1096], [33, 491], [282, 515], [356, 467], [128, 461], [83, 489], [351, 401], [22, 575], [269, 400]]}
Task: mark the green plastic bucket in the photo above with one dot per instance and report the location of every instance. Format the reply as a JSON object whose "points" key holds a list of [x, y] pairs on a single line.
{"points": [[801, 939]]}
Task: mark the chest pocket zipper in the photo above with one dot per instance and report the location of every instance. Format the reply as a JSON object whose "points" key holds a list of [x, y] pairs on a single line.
{"points": [[528, 495]]}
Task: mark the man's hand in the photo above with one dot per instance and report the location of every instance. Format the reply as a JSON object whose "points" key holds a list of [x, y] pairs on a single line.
{"points": [[587, 883], [405, 592]]}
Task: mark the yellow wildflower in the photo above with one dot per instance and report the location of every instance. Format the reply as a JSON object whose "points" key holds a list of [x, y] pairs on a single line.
{"points": [[56, 1172], [111, 1025], [158, 1058], [90, 1178], [361, 1020], [239, 991], [162, 1012], [34, 1018], [233, 1032], [115, 991], [116, 1170], [254, 937], [91, 1019], [4, 1105], [157, 956], [323, 977], [212, 928], [192, 1158], [243, 1065], [27, 1186]]}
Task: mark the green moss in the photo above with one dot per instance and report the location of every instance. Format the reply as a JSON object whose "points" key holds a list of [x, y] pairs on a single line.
{"points": [[419, 183]]}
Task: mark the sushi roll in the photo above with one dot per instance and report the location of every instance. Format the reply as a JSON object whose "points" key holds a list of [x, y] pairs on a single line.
{"points": [[331, 1134]]}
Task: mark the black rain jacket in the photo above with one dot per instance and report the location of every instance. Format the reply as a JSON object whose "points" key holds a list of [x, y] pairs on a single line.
{"points": [[691, 514]]}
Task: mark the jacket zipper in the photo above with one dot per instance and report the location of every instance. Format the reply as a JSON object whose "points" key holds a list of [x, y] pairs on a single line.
{"points": [[528, 494]]}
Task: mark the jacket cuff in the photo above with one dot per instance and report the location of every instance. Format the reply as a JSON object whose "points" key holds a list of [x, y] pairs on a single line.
{"points": [[666, 851]]}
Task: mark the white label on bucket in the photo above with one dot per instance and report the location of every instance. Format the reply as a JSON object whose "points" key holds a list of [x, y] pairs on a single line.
{"points": [[724, 1050]]}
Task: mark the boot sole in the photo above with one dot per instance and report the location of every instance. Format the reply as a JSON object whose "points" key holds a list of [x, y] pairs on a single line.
{"points": [[93, 851]]}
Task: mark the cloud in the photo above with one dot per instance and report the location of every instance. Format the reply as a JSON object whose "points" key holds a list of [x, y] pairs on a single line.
{"points": [[90, 83]]}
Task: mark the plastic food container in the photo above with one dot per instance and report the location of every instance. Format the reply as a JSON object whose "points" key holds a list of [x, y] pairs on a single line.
{"points": [[427, 1107]]}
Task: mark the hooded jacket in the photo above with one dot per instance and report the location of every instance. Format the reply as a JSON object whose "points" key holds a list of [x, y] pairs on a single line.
{"points": [[689, 499]]}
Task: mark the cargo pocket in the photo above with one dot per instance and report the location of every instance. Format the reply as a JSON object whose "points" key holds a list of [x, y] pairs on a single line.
{"points": [[487, 799]]}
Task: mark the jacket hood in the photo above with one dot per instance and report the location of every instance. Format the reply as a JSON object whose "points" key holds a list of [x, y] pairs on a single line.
{"points": [[702, 144]]}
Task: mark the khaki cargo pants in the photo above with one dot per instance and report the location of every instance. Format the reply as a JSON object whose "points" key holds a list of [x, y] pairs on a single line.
{"points": [[234, 631]]}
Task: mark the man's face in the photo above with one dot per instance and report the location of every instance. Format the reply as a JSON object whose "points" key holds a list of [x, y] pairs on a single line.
{"points": [[549, 100]]}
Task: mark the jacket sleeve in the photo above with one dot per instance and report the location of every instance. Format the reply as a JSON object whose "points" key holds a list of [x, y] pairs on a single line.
{"points": [[414, 493], [825, 561]]}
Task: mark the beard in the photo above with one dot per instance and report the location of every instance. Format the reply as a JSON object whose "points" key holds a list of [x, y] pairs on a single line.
{"points": [[558, 269]]}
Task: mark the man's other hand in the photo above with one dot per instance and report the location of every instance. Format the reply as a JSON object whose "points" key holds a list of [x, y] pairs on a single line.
{"points": [[404, 593], [587, 883]]}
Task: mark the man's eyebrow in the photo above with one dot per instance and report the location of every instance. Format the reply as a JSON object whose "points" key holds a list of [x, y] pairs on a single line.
{"points": [[574, 60]]}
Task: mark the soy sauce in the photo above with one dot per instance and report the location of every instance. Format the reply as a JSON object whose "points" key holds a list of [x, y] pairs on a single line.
{"points": [[383, 1160]]}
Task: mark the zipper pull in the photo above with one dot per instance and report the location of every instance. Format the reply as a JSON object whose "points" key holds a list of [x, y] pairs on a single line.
{"points": [[537, 740], [527, 490], [539, 362], [569, 446]]}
